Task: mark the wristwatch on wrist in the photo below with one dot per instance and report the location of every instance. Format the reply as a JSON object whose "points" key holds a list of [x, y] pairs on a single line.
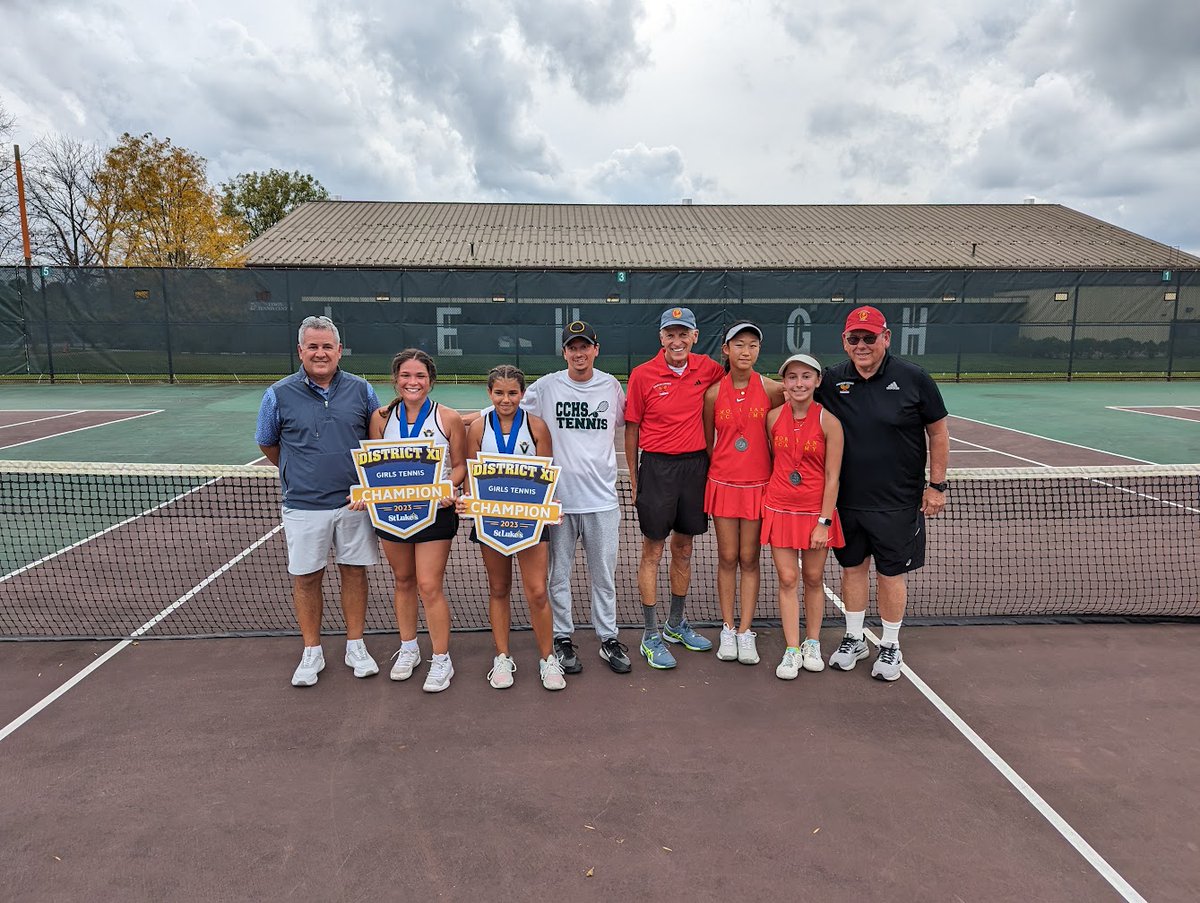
{"points": [[940, 487], [825, 521]]}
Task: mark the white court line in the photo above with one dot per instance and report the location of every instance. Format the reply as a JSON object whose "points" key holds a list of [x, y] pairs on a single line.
{"points": [[1097, 480], [33, 710], [995, 451], [9, 426], [81, 429], [1009, 429], [16, 723], [1156, 414], [1060, 824]]}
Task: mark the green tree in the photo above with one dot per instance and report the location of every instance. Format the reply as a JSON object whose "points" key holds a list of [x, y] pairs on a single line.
{"points": [[154, 207], [261, 199]]}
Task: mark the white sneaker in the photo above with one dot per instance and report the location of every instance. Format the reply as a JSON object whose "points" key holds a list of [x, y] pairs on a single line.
{"points": [[501, 675], [747, 652], [440, 672], [552, 673], [405, 663], [728, 650], [888, 662], [810, 651], [311, 664], [359, 659], [789, 667]]}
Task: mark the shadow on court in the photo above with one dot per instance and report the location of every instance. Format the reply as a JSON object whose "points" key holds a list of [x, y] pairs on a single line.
{"points": [[193, 770]]}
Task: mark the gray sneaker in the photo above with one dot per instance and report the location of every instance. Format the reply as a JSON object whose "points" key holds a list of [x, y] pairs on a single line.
{"points": [[811, 651], [747, 648], [405, 663], [789, 667], [501, 675], [849, 653], [359, 659], [311, 664], [440, 672], [727, 651], [551, 671], [888, 662]]}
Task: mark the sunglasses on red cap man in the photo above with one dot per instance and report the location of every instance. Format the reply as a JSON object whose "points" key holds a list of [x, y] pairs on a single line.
{"points": [[864, 319]]}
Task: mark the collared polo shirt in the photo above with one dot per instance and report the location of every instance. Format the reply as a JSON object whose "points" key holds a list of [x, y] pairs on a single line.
{"points": [[883, 421], [315, 429], [669, 408]]}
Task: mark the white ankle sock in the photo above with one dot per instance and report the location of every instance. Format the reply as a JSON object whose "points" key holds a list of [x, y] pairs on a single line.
{"points": [[891, 632]]}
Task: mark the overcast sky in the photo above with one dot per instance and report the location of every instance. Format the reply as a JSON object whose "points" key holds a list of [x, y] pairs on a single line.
{"points": [[1093, 103]]}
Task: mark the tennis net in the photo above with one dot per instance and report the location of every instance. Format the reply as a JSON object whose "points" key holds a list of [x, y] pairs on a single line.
{"points": [[110, 551]]}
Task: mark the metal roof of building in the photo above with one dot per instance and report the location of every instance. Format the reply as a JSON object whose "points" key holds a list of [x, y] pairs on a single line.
{"points": [[385, 234]]}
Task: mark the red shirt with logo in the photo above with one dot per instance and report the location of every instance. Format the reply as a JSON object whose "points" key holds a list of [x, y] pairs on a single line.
{"points": [[740, 414], [799, 447], [669, 408]]}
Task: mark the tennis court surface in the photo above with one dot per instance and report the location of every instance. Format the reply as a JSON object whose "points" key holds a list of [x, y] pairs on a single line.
{"points": [[1029, 759]]}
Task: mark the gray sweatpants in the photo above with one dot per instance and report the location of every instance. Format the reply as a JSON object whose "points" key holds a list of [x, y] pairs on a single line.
{"points": [[599, 531]]}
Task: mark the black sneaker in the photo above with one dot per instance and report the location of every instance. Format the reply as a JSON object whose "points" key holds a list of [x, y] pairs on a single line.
{"points": [[565, 650], [616, 654]]}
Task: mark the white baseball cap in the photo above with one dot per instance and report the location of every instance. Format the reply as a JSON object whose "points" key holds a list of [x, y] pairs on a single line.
{"points": [[806, 359]]}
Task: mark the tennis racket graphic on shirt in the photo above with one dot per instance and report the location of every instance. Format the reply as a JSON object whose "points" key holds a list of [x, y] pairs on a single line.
{"points": [[601, 408]]}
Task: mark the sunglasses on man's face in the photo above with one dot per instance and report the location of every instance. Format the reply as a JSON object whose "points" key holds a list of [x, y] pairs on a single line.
{"points": [[870, 339]]}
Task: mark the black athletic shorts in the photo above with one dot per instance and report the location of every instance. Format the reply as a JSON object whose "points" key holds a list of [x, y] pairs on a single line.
{"points": [[895, 539], [545, 534], [671, 494], [445, 527]]}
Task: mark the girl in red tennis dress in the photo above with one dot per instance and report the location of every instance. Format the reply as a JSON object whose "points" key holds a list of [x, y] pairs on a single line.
{"points": [[735, 416], [800, 521]]}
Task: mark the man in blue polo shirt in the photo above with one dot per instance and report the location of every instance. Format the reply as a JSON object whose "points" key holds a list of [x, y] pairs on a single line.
{"points": [[307, 424], [890, 409]]}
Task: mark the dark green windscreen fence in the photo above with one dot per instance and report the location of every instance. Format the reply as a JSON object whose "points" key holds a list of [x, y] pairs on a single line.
{"points": [[241, 323]]}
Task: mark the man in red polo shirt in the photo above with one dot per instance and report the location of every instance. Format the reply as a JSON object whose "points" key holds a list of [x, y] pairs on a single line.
{"points": [[663, 418]]}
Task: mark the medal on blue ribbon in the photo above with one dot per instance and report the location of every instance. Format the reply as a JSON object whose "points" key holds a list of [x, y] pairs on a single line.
{"points": [[402, 420]]}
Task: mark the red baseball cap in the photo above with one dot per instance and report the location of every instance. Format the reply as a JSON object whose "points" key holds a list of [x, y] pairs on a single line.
{"points": [[866, 319]]}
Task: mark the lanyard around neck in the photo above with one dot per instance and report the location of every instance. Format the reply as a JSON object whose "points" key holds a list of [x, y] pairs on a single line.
{"points": [[402, 420]]}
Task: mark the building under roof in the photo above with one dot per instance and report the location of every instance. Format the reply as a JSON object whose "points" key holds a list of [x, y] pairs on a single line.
{"points": [[422, 235]]}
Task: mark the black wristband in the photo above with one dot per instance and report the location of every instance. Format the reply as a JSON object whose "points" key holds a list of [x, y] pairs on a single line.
{"points": [[940, 487]]}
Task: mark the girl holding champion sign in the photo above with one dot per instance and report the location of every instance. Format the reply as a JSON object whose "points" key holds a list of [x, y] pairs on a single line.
{"points": [[419, 562], [735, 413], [507, 430], [800, 522]]}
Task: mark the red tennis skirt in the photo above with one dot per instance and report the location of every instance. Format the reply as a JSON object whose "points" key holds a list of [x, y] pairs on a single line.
{"points": [[793, 530], [734, 500]]}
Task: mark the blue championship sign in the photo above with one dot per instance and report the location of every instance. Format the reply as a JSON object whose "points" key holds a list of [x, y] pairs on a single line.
{"points": [[511, 500], [401, 482]]}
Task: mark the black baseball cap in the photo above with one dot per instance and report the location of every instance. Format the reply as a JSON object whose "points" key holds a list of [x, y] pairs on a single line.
{"points": [[577, 329]]}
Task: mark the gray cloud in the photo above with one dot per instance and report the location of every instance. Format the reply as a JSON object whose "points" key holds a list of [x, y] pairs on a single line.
{"points": [[1139, 55], [646, 175], [1092, 104], [593, 43]]}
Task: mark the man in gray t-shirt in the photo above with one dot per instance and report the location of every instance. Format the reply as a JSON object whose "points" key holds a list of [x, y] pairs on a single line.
{"points": [[583, 407]]}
